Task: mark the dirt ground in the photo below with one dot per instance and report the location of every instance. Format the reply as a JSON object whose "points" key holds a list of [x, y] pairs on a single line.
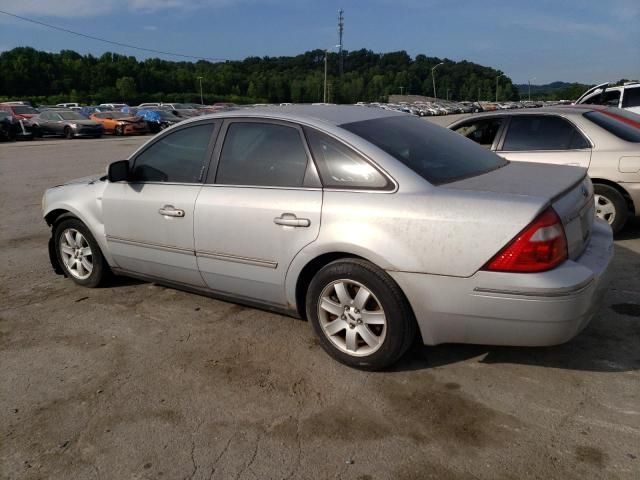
{"points": [[137, 381]]}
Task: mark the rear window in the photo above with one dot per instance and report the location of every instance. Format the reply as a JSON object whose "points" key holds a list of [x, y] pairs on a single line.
{"points": [[436, 154], [616, 127]]}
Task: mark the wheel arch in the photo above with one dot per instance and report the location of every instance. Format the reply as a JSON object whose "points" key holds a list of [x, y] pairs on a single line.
{"points": [[314, 265], [620, 189]]}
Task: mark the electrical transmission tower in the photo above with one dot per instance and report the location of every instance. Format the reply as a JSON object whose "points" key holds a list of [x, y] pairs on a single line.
{"points": [[340, 30]]}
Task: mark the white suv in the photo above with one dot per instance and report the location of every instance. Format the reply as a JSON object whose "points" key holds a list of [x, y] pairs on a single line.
{"points": [[624, 96]]}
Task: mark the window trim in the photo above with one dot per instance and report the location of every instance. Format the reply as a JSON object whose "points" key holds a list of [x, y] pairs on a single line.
{"points": [[310, 181], [499, 134], [390, 187], [170, 131], [507, 126]]}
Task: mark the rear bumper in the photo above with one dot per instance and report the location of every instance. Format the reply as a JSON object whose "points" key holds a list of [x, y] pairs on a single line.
{"points": [[497, 308]]}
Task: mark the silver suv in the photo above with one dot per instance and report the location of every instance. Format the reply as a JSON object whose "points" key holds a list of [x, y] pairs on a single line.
{"points": [[624, 96]]}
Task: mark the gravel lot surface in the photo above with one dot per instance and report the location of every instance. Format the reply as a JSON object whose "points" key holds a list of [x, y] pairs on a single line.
{"points": [[137, 381]]}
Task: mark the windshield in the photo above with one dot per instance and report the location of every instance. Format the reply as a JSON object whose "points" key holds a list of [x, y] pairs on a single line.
{"points": [[435, 153], [618, 128], [71, 116], [24, 109], [119, 115]]}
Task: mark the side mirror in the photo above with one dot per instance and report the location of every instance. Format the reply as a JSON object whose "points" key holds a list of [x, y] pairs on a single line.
{"points": [[118, 171]]}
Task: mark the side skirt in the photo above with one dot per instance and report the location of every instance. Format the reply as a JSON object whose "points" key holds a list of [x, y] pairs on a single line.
{"points": [[289, 311]]}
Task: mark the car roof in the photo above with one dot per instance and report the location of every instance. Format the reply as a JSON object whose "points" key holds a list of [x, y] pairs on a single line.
{"points": [[329, 114], [555, 110]]}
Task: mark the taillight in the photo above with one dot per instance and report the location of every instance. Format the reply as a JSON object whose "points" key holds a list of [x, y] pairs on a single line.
{"points": [[539, 247]]}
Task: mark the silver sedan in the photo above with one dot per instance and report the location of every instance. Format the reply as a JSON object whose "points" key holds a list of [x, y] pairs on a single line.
{"points": [[376, 226]]}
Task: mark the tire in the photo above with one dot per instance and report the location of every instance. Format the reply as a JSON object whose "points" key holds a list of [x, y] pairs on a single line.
{"points": [[118, 131], [72, 255], [380, 336], [611, 206], [68, 133]]}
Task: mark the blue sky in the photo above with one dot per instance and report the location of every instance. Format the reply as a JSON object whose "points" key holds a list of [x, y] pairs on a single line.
{"points": [[588, 41]]}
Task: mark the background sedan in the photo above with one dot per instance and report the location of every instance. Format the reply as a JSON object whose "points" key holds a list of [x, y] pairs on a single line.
{"points": [[66, 123], [604, 140]]}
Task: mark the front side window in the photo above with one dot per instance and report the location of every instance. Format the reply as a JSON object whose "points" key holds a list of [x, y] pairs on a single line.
{"points": [[541, 132], [178, 157], [341, 167], [262, 154], [482, 132]]}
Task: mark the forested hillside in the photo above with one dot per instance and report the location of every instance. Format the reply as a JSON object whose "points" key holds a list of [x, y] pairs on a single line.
{"points": [[44, 77]]}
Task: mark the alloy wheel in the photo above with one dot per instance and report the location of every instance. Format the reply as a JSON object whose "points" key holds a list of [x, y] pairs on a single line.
{"points": [[352, 317], [76, 253], [605, 209]]}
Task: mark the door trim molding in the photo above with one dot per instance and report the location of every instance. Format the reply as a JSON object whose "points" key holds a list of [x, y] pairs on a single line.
{"points": [[258, 262], [157, 246]]}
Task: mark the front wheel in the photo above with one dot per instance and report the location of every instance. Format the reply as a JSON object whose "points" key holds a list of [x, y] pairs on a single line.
{"points": [[68, 133], [359, 314], [78, 253], [610, 206]]}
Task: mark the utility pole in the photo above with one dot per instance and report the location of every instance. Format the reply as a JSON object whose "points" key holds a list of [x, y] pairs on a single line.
{"points": [[401, 90], [530, 87], [447, 94], [340, 30], [497, 85], [324, 98], [201, 98], [434, 79]]}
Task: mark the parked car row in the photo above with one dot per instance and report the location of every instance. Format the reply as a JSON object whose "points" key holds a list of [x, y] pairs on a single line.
{"points": [[19, 120]]}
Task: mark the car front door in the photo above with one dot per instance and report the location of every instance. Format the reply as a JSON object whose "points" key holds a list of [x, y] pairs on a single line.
{"points": [[149, 219], [546, 139], [258, 209], [48, 122]]}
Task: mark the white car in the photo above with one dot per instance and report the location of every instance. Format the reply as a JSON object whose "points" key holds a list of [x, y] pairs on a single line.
{"points": [[624, 96]]}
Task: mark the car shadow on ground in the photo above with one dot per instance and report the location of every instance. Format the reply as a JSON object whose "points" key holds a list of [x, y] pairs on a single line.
{"points": [[631, 231], [608, 344]]}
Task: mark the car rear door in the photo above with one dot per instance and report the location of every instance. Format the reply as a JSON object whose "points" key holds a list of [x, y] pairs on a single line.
{"points": [[259, 207], [149, 219], [544, 138]]}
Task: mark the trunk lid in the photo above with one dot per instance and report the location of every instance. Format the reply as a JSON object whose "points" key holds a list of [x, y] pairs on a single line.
{"points": [[566, 188]]}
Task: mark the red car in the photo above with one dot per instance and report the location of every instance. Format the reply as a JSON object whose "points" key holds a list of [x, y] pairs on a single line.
{"points": [[19, 111]]}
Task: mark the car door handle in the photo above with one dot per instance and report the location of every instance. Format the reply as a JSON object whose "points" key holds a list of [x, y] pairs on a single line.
{"points": [[290, 220], [171, 211]]}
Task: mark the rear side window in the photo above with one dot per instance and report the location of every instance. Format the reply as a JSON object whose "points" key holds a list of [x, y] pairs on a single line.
{"points": [[341, 167], [539, 132], [631, 97], [262, 154], [436, 154], [616, 127], [482, 132], [178, 157]]}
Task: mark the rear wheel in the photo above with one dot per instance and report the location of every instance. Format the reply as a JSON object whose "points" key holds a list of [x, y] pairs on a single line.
{"points": [[359, 314], [78, 253], [610, 206]]}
